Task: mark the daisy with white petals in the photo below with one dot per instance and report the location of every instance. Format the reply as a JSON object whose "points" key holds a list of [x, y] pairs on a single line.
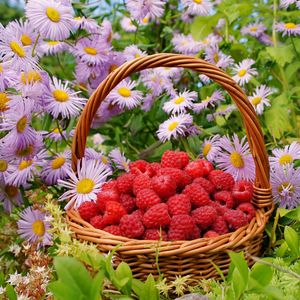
{"points": [[259, 98], [288, 28], [243, 71], [118, 157], [180, 103], [211, 148], [288, 155], [197, 7]]}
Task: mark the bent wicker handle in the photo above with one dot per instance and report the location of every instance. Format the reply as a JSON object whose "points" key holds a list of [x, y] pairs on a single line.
{"points": [[253, 130]]}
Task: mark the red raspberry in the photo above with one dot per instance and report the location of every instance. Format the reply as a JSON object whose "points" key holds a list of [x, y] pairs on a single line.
{"points": [[174, 159], [196, 233], [138, 167], [113, 229], [146, 198], [155, 234], [221, 180], [218, 207], [224, 198], [141, 182], [204, 216], [179, 205], [155, 167], [109, 185], [131, 226], [88, 210], [220, 226], [210, 234], [157, 216], [138, 213], [242, 191], [164, 186], [235, 218], [197, 194], [248, 209], [128, 203], [182, 227], [114, 211], [180, 177], [207, 166], [195, 169], [206, 184], [105, 196], [97, 222], [125, 182]]}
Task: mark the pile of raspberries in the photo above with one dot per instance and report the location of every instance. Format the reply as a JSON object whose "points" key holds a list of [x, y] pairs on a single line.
{"points": [[176, 199]]}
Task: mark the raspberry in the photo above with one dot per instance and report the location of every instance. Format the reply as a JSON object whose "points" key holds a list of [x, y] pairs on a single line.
{"points": [[198, 195], [204, 216], [114, 211], [155, 167], [180, 177], [182, 227], [174, 159], [146, 198], [105, 196], [218, 207], [164, 186], [207, 166], [124, 183], [88, 210], [206, 184], [97, 222], [155, 234], [128, 203], [141, 182], [210, 234], [179, 205], [220, 226], [195, 169], [221, 180], [224, 198], [196, 233], [248, 209], [242, 191], [109, 185], [131, 226], [235, 218], [138, 167], [113, 229], [157, 216], [138, 213]]}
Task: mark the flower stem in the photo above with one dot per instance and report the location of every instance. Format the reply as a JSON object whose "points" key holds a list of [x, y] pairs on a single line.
{"points": [[295, 49], [187, 147], [35, 44], [275, 6], [273, 232]]}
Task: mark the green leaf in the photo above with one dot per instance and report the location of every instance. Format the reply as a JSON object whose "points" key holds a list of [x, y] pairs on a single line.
{"points": [[282, 54], [63, 292], [96, 286], [292, 239], [149, 292], [137, 286], [293, 214], [10, 292], [123, 273], [262, 274], [291, 70]]}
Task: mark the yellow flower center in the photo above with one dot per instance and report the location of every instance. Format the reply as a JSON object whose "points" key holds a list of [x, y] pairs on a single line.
{"points": [[256, 100], [3, 101], [236, 160], [85, 186], [290, 26], [11, 191], [216, 57], [31, 76], [104, 159], [77, 18], [285, 159], [22, 124], [3, 165], [242, 72], [286, 185], [17, 48], [57, 162], [25, 164], [25, 152], [56, 130], [60, 96], [53, 43], [137, 55], [109, 38], [254, 29], [206, 149], [172, 126], [205, 41], [26, 40], [1, 68], [90, 50], [113, 67], [124, 91], [179, 100], [38, 227], [145, 20], [53, 14], [198, 1], [206, 99]]}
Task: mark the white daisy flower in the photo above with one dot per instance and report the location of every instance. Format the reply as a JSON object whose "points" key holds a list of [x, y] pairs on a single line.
{"points": [[86, 184], [211, 148], [132, 52], [259, 98], [127, 25], [52, 47], [285, 156], [174, 127], [197, 7], [180, 103], [244, 71]]}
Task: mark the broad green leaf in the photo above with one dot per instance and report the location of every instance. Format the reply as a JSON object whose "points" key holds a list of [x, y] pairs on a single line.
{"points": [[124, 273], [149, 292], [292, 239], [273, 292], [291, 70], [95, 260], [281, 250], [237, 10], [282, 54], [61, 291], [10, 292], [291, 214], [261, 273], [237, 284], [137, 286], [96, 286]]}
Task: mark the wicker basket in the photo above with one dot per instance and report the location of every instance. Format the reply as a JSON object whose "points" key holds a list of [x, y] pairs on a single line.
{"points": [[193, 257]]}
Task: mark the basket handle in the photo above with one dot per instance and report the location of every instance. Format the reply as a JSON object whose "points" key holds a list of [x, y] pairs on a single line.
{"points": [[253, 129]]}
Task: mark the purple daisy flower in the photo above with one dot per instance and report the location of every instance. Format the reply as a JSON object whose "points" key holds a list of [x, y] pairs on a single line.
{"points": [[185, 44], [10, 196], [127, 25], [286, 156], [235, 158], [265, 39], [52, 47], [85, 184], [215, 98], [90, 25], [91, 153], [286, 186], [244, 71], [198, 7], [58, 134], [139, 9], [286, 3], [210, 41], [180, 103], [51, 18], [148, 101], [4, 169], [106, 32], [288, 28], [259, 98], [187, 18], [218, 58], [211, 148], [4, 102], [86, 71], [34, 228], [254, 29], [205, 79], [121, 162], [132, 52]]}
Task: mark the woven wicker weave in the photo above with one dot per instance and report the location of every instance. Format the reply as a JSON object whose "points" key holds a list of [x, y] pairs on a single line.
{"points": [[194, 257]]}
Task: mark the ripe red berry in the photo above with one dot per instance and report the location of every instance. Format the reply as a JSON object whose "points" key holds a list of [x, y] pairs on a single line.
{"points": [[128, 203], [197, 194], [221, 180], [174, 159], [155, 167], [157, 216], [235, 219], [204, 216], [195, 169], [125, 182], [220, 226], [207, 166], [141, 182], [109, 185], [182, 227], [210, 234], [155, 234], [105, 196], [146, 198], [131, 226], [206, 184], [114, 211], [138, 213], [180, 177], [97, 222], [248, 209], [242, 191], [88, 210], [179, 205], [164, 186], [218, 207], [224, 198], [138, 167], [113, 229]]}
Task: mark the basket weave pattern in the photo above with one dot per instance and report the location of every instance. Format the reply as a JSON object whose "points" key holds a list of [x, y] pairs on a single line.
{"points": [[180, 257]]}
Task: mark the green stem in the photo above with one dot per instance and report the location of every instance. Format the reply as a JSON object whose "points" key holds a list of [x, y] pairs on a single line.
{"points": [[273, 232], [35, 44], [226, 31], [274, 34], [295, 49], [187, 147]]}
